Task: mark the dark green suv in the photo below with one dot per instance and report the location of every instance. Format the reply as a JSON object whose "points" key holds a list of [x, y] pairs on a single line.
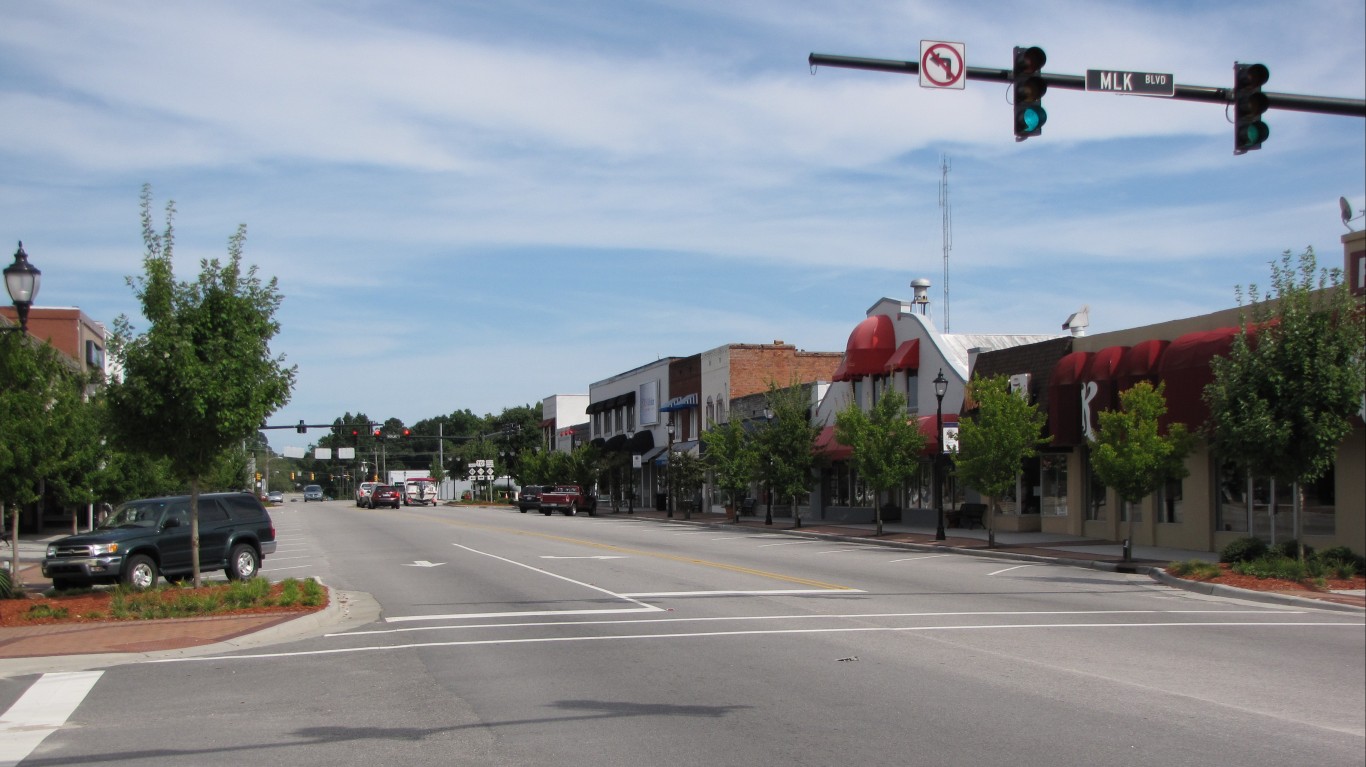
{"points": [[147, 538]]}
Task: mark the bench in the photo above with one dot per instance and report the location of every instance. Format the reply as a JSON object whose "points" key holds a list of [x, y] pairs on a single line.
{"points": [[970, 515]]}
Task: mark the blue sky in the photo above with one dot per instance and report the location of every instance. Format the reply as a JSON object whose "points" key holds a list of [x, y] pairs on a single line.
{"points": [[479, 204]]}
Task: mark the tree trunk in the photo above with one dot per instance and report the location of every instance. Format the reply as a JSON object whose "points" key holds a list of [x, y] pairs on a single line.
{"points": [[194, 529]]}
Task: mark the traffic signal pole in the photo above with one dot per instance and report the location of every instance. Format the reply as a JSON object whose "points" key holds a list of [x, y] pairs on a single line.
{"points": [[1326, 105]]}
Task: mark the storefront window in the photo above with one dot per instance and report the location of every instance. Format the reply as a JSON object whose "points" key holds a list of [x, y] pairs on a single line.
{"points": [[1169, 500], [912, 387], [843, 487], [919, 489], [1240, 497], [1053, 484]]}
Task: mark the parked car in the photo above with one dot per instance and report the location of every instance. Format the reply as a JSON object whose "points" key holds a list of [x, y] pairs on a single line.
{"points": [[529, 499], [275, 496], [147, 538], [384, 495], [313, 493], [567, 499], [363, 492]]}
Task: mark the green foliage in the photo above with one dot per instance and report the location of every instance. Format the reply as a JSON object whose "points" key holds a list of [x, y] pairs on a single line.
{"points": [[1344, 555], [7, 590], [686, 473], [177, 602], [886, 446], [1291, 548], [1283, 399], [1131, 454], [39, 401], [731, 455], [201, 379], [1243, 550], [1273, 566], [1195, 569], [994, 444], [38, 612], [787, 443]]}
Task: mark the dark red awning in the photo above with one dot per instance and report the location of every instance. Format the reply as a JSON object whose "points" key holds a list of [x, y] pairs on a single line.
{"points": [[906, 357], [870, 346], [1185, 370], [927, 429], [1064, 398], [831, 448], [1140, 363]]}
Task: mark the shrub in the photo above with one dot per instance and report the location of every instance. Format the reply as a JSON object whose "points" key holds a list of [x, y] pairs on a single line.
{"points": [[6, 585], [1274, 566], [45, 611], [1291, 548], [1344, 555], [1243, 550], [1194, 569]]}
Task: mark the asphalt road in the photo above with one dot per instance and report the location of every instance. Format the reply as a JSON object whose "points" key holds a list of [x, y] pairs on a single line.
{"points": [[512, 639]]}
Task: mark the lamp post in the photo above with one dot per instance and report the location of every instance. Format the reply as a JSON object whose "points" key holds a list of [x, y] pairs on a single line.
{"points": [[941, 387], [669, 472], [21, 281], [768, 481], [631, 484]]}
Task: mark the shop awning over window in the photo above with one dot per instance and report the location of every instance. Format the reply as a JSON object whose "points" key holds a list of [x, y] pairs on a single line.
{"points": [[1186, 371], [1064, 398], [870, 346], [1140, 363], [831, 448], [906, 357]]}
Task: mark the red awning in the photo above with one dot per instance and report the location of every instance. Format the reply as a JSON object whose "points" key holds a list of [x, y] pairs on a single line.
{"points": [[1064, 398], [1104, 365], [907, 356], [827, 445], [870, 346], [842, 372], [927, 429], [1141, 361], [1185, 369]]}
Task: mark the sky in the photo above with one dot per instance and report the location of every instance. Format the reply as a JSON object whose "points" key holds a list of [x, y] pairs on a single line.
{"points": [[478, 204]]}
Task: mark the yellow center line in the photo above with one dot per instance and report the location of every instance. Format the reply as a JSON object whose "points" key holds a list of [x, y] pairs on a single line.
{"points": [[658, 555]]}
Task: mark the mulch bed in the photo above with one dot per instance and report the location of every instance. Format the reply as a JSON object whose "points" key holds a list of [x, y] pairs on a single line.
{"points": [[93, 607], [1229, 578]]}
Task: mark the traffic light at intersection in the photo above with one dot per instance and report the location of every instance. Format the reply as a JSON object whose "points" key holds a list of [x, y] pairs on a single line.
{"points": [[1249, 102], [1028, 90]]}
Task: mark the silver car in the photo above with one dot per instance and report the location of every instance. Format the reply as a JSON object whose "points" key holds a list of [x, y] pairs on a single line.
{"points": [[313, 493]]}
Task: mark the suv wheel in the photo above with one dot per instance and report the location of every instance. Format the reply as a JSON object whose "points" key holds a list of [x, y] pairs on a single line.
{"points": [[141, 572], [243, 563], [572, 510]]}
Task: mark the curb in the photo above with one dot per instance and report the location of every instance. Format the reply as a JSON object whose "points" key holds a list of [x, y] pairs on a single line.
{"points": [[345, 609], [1156, 573]]}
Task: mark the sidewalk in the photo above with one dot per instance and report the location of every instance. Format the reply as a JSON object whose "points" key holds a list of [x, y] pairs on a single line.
{"points": [[93, 641]]}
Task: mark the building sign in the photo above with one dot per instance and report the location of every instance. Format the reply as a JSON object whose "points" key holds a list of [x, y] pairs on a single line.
{"points": [[648, 399], [950, 437]]}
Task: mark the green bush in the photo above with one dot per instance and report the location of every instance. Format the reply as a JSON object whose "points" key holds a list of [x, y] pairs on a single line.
{"points": [[6, 585], [1243, 550], [1274, 566], [1291, 548], [1194, 569], [1346, 556]]}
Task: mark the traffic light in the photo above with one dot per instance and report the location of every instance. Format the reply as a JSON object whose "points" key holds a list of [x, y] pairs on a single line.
{"points": [[291, 476], [301, 427], [1248, 105], [310, 476], [1029, 89], [377, 432], [407, 432]]}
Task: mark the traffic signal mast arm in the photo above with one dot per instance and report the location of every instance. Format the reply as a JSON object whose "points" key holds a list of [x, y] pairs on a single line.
{"points": [[1327, 105]]}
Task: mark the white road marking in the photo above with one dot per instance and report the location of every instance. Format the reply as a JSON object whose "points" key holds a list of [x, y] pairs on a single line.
{"points": [[912, 559], [1008, 569], [265, 568], [41, 711], [600, 556], [790, 543], [766, 592], [841, 551], [423, 563], [802, 617], [710, 634]]}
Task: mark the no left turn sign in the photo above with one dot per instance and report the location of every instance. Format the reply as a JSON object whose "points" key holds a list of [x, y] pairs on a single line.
{"points": [[942, 65]]}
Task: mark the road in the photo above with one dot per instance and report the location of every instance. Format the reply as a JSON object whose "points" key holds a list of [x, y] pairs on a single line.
{"points": [[520, 639]]}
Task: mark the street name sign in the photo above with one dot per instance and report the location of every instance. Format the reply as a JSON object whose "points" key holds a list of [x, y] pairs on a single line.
{"points": [[1131, 83]]}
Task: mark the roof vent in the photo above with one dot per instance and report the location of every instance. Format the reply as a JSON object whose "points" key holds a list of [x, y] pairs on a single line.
{"points": [[921, 286], [1078, 321]]}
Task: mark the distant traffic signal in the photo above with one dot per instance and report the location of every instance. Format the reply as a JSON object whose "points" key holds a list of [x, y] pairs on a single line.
{"points": [[377, 432], [1248, 105], [407, 432], [1029, 89]]}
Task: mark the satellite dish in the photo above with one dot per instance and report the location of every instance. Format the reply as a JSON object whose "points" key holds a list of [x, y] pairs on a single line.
{"points": [[1346, 212]]}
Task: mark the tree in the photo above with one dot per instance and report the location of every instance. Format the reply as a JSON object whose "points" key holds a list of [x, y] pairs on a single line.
{"points": [[729, 451], [201, 379], [994, 443], [686, 472], [38, 399], [788, 443], [1282, 400], [886, 446], [1130, 452]]}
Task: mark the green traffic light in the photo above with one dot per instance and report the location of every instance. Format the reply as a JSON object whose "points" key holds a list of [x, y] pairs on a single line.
{"points": [[1031, 119], [1253, 134]]}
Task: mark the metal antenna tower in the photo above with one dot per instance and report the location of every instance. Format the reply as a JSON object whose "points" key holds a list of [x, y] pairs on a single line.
{"points": [[947, 210]]}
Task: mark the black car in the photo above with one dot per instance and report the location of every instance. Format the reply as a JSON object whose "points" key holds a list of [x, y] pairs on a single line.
{"points": [[150, 537], [529, 499]]}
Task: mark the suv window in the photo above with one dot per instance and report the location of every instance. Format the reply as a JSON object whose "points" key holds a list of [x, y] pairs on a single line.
{"points": [[243, 507], [211, 512]]}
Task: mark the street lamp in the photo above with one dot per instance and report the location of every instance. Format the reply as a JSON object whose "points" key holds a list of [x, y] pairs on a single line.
{"points": [[768, 481], [941, 387], [22, 280], [631, 488], [669, 472]]}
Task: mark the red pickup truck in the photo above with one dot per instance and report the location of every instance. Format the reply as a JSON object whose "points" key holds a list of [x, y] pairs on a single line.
{"points": [[567, 499]]}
